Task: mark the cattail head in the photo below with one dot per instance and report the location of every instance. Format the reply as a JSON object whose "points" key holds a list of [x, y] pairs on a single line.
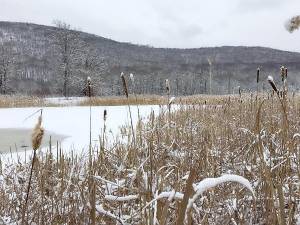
{"points": [[285, 72], [257, 75], [167, 86], [104, 115], [131, 78], [293, 24], [89, 86], [37, 134], [124, 83], [271, 82], [282, 72]]}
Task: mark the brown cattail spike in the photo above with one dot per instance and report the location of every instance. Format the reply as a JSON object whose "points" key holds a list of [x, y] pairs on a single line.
{"points": [[271, 82], [124, 84], [104, 115], [285, 72], [168, 86], [257, 75], [282, 72], [89, 86], [37, 134]]}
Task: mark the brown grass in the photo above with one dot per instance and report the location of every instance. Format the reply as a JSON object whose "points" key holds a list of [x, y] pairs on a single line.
{"points": [[242, 136], [13, 101]]}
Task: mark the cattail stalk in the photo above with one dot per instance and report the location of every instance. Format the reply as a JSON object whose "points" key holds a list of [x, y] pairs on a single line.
{"points": [[104, 131], [36, 140], [136, 100], [167, 83], [89, 92], [91, 180], [257, 80], [125, 88]]}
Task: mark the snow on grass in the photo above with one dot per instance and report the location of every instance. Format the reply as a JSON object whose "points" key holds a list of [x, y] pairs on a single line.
{"points": [[208, 183], [120, 198]]}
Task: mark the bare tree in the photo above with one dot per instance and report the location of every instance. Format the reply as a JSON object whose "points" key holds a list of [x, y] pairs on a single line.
{"points": [[93, 65], [69, 47]]}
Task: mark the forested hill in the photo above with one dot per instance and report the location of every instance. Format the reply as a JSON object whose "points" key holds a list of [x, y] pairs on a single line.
{"points": [[35, 64]]}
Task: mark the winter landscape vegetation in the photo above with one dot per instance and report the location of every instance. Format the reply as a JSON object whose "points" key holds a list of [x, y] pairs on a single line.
{"points": [[96, 131]]}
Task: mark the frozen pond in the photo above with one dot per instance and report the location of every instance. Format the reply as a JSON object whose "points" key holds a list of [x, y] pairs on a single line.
{"points": [[68, 125], [18, 139]]}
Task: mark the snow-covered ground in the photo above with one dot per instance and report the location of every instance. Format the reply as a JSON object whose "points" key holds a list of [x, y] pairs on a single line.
{"points": [[73, 122], [69, 101]]}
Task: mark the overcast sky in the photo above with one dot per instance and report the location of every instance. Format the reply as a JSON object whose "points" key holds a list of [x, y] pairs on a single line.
{"points": [[168, 23]]}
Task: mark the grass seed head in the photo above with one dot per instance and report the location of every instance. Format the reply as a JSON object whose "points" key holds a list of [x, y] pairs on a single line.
{"points": [[37, 134]]}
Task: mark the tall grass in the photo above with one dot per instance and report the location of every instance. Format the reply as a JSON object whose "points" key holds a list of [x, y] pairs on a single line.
{"points": [[243, 136]]}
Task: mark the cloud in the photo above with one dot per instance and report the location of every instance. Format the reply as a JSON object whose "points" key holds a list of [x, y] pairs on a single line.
{"points": [[253, 6], [168, 23]]}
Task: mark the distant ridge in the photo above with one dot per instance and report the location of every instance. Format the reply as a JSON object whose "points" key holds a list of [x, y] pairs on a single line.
{"points": [[35, 67]]}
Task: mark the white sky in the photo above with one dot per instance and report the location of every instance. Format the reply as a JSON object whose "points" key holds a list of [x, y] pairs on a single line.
{"points": [[168, 23]]}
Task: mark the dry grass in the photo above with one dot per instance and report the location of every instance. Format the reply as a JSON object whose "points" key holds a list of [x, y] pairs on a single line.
{"points": [[123, 100], [13, 101], [247, 136], [157, 100], [8, 101]]}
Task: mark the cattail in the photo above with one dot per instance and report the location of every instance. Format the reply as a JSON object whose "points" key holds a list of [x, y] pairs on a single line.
{"points": [[36, 139], [257, 75], [89, 86], [167, 86], [293, 24], [282, 73], [271, 82], [285, 72], [104, 115], [124, 84], [131, 78], [37, 134]]}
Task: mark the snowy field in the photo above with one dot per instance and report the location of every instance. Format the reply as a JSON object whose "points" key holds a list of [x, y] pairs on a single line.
{"points": [[68, 125], [69, 101]]}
